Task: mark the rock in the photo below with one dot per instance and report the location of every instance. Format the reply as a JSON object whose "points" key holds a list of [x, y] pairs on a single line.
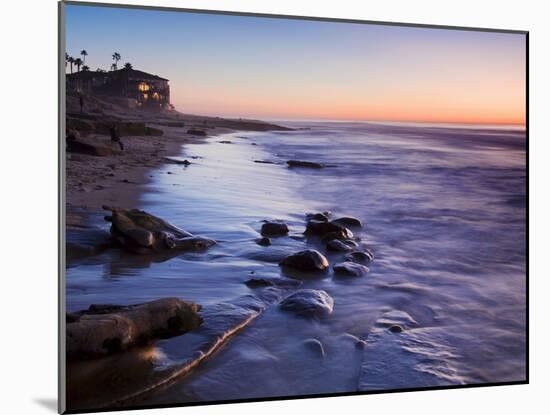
{"points": [[315, 346], [105, 329], [351, 243], [360, 257], [264, 162], [307, 164], [263, 241], [342, 235], [320, 217], [348, 221], [94, 147], [194, 131], [272, 282], [315, 227], [143, 233], [176, 161], [351, 269], [274, 228], [309, 303], [396, 329], [308, 260], [225, 142], [338, 246]]}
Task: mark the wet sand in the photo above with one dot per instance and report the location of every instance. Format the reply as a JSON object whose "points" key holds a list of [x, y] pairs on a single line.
{"points": [[119, 180]]}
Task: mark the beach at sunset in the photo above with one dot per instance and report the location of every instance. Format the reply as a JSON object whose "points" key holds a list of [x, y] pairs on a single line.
{"points": [[259, 207]]}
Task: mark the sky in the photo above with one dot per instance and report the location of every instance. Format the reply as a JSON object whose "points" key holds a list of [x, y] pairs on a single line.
{"points": [[270, 68]]}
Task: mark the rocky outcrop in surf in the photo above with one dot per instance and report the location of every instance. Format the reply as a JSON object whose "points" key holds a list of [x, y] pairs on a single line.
{"points": [[105, 329]]}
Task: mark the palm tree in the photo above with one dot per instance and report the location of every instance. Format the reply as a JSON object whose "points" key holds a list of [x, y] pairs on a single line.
{"points": [[66, 59], [71, 62], [116, 58], [85, 68], [113, 67], [84, 54], [128, 65], [78, 62]]}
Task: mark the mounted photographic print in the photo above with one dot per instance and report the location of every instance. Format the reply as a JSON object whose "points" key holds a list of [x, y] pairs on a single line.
{"points": [[259, 207]]}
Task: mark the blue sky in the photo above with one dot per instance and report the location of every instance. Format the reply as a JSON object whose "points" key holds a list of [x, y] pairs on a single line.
{"points": [[278, 68]]}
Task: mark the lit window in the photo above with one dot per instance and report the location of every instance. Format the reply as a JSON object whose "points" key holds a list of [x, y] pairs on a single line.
{"points": [[156, 96], [145, 97], [143, 86]]}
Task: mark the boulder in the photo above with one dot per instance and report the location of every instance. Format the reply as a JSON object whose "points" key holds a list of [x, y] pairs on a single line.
{"points": [[320, 217], [360, 257], [321, 228], [338, 246], [351, 269], [308, 260], [348, 221], [142, 233], [306, 164], [263, 241], [309, 303], [105, 329], [274, 228]]}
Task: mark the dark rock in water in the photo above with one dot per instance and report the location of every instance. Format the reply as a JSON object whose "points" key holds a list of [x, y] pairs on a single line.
{"points": [[142, 233], [176, 161], [274, 229], [360, 257], [272, 282], [338, 246], [263, 241], [348, 221], [351, 243], [104, 329], [396, 329], [308, 260], [351, 269], [307, 164], [225, 142], [315, 227], [309, 303], [334, 235], [315, 346], [194, 131], [264, 162], [321, 217]]}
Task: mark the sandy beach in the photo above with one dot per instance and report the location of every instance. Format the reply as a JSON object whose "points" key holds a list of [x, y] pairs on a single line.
{"points": [[118, 179]]}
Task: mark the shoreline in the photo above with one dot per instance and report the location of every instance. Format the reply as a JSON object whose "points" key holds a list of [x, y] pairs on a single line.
{"points": [[120, 179]]}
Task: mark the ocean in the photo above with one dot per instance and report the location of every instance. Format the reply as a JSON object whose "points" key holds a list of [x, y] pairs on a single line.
{"points": [[443, 209]]}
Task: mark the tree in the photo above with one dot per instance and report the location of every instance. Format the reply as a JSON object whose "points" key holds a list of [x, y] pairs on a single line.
{"points": [[85, 68], [78, 63], [100, 70], [127, 65], [116, 58], [66, 59], [84, 54], [113, 67], [71, 62]]}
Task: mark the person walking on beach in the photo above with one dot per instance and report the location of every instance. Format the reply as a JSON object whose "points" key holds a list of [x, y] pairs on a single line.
{"points": [[116, 137]]}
